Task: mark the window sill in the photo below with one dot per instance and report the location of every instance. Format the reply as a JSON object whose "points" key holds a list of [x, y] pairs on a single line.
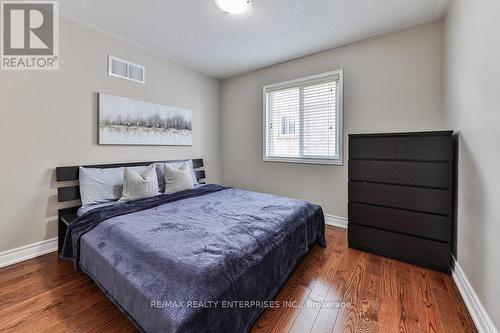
{"points": [[304, 161]]}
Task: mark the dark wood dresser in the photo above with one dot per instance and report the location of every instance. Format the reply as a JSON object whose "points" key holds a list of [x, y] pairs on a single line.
{"points": [[401, 196]]}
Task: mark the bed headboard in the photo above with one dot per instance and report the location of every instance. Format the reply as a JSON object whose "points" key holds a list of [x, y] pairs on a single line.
{"points": [[71, 173]]}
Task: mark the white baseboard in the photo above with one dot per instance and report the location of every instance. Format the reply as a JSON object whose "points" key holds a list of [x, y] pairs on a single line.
{"points": [[336, 221], [27, 252], [477, 311]]}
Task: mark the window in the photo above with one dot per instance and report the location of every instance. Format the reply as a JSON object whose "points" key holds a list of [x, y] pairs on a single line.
{"points": [[303, 120]]}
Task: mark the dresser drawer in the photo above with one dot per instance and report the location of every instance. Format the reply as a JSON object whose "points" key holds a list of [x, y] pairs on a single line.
{"points": [[371, 148], [425, 148], [405, 197], [416, 250], [413, 223], [407, 173]]}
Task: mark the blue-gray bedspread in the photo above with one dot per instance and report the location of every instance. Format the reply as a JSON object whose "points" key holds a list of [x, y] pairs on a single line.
{"points": [[203, 260]]}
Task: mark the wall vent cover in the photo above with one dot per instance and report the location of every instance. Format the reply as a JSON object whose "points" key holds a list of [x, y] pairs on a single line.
{"points": [[126, 70]]}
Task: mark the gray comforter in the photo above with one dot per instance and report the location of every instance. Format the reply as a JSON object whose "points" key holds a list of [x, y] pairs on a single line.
{"points": [[205, 261]]}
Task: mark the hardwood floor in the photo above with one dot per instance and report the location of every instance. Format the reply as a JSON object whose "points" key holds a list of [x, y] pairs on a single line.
{"points": [[378, 294]]}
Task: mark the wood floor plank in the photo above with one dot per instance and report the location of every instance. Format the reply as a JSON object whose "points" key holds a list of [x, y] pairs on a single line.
{"points": [[333, 300], [290, 313], [424, 300], [32, 313], [452, 309], [321, 257], [325, 276], [336, 289], [370, 296], [33, 284], [306, 317], [350, 318], [407, 312], [14, 273], [98, 314]]}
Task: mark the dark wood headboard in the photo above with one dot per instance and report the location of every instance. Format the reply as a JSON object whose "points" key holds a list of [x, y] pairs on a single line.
{"points": [[71, 173]]}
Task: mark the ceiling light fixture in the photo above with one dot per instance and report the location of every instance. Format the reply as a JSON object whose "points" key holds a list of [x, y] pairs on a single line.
{"points": [[233, 6]]}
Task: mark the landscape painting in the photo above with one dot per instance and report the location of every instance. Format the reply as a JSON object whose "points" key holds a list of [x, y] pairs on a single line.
{"points": [[125, 121]]}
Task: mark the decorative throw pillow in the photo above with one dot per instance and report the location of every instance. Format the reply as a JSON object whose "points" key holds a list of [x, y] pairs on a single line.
{"points": [[160, 172], [178, 179], [139, 185]]}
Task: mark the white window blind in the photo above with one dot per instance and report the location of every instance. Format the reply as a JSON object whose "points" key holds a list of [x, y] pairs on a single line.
{"points": [[303, 120]]}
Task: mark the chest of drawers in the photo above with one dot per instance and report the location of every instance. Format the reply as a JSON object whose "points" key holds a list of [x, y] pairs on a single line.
{"points": [[401, 191]]}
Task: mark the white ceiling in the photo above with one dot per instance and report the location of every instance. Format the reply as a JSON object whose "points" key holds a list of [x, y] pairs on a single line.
{"points": [[197, 34]]}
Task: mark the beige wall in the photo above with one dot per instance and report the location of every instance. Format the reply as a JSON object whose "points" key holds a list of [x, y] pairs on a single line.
{"points": [[49, 119], [472, 76], [391, 83]]}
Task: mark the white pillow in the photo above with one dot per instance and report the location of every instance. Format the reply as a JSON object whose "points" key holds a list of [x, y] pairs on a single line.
{"points": [[99, 185], [178, 179], [139, 185]]}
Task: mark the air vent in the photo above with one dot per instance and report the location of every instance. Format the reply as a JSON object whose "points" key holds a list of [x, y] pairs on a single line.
{"points": [[126, 70]]}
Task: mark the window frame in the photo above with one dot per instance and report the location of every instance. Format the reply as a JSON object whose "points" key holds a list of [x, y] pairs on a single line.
{"points": [[339, 120]]}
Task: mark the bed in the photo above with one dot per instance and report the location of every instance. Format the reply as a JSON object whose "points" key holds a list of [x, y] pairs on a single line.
{"points": [[209, 259]]}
